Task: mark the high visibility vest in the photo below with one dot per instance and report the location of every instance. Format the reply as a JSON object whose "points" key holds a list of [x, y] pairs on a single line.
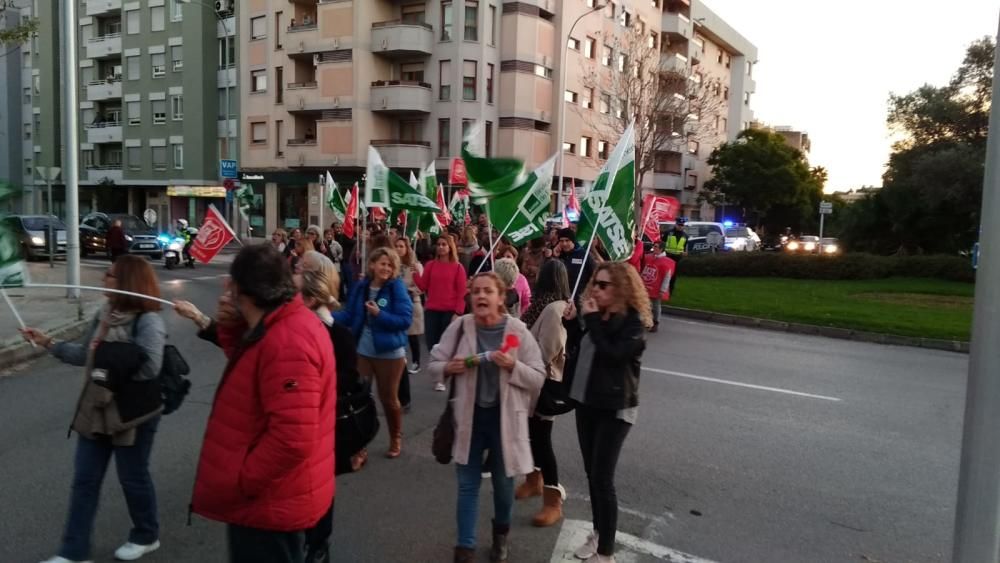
{"points": [[675, 244]]}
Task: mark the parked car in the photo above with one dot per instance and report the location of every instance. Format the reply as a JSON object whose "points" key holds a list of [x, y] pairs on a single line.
{"points": [[32, 230], [141, 237], [703, 237], [742, 239], [806, 244]]}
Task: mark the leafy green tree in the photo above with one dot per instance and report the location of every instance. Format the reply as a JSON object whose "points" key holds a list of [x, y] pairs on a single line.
{"points": [[10, 36]]}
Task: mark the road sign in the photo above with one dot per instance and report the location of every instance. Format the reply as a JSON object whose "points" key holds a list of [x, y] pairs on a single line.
{"points": [[825, 208], [150, 216], [227, 169]]}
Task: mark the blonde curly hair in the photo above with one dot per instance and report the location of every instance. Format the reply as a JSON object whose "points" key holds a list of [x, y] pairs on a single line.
{"points": [[629, 290]]}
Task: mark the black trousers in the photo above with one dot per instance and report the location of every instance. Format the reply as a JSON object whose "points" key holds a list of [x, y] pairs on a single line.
{"points": [[435, 323], [677, 266], [540, 433], [251, 545], [318, 537], [601, 436]]}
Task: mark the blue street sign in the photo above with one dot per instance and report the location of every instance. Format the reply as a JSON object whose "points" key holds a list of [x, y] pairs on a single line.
{"points": [[227, 169], [229, 196]]}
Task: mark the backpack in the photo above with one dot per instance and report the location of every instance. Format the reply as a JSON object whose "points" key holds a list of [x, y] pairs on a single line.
{"points": [[173, 385]]}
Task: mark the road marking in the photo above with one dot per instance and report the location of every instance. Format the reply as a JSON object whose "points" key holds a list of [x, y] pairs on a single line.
{"points": [[574, 533], [745, 385]]}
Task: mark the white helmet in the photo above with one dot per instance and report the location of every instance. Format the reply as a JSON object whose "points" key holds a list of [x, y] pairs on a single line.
{"points": [[182, 223]]}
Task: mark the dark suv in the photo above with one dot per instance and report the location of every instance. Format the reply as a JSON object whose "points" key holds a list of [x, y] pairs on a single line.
{"points": [[141, 238]]}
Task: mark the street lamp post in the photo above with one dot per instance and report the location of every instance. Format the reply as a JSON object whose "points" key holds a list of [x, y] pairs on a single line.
{"points": [[562, 104]]}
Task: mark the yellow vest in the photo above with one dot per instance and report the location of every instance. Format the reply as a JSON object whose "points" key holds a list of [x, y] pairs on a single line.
{"points": [[675, 245]]}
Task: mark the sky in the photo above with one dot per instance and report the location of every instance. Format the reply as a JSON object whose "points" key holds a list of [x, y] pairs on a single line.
{"points": [[828, 68]]}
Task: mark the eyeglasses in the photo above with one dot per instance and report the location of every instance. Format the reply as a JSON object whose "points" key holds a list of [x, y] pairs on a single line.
{"points": [[603, 285]]}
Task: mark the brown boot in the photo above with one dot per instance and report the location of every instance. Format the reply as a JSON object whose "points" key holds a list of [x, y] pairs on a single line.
{"points": [[551, 511], [394, 420], [499, 551], [531, 487], [465, 555]]}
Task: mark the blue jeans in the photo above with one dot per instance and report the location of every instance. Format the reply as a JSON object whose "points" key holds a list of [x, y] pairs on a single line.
{"points": [[132, 466], [485, 436]]}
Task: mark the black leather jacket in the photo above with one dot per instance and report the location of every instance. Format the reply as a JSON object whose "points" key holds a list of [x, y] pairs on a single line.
{"points": [[618, 344]]}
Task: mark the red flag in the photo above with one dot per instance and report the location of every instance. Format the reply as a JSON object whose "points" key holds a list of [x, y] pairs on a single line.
{"points": [[214, 234], [656, 209], [351, 216], [457, 173], [444, 218], [378, 214], [573, 204]]}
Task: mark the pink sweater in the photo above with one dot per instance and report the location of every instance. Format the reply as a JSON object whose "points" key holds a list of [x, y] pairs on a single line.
{"points": [[444, 284]]}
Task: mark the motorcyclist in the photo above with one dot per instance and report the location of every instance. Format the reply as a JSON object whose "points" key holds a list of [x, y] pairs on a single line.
{"points": [[188, 233]]}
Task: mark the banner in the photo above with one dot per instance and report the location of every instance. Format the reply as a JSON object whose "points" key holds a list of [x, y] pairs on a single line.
{"points": [[608, 211], [655, 210], [351, 214], [521, 213], [460, 207], [334, 199], [457, 174], [214, 234], [384, 188], [489, 178]]}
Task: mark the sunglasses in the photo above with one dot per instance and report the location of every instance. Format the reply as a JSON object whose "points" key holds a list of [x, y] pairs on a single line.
{"points": [[603, 285]]}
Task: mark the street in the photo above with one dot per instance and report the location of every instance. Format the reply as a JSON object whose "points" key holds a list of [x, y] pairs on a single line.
{"points": [[750, 446]]}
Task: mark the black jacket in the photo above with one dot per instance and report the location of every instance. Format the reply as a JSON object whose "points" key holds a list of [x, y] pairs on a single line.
{"points": [[574, 262], [614, 370]]}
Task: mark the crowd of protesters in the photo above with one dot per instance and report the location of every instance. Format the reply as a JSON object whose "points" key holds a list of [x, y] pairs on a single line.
{"points": [[312, 319]]}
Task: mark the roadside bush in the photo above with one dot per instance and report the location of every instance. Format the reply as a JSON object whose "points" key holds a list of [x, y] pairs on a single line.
{"points": [[842, 267]]}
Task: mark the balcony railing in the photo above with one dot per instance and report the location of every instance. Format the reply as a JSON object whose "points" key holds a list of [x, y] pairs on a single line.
{"points": [[302, 27], [302, 85], [105, 37], [104, 124], [378, 83], [393, 23], [301, 142], [105, 166], [390, 142]]}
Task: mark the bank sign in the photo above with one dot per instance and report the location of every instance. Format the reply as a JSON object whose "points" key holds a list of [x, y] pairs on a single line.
{"points": [[227, 169]]}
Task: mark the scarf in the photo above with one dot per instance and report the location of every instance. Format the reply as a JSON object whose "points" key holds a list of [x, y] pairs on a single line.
{"points": [[538, 304]]}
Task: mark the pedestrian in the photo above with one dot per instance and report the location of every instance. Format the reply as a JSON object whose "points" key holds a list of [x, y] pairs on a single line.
{"points": [[443, 283], [279, 240], [424, 248], [657, 271], [293, 237], [302, 246], [675, 245], [544, 318], [315, 235], [118, 410], [531, 258], [521, 285], [493, 394], [578, 264], [267, 467], [379, 311], [334, 251], [468, 244], [506, 270], [607, 339], [410, 266], [480, 261], [117, 244]]}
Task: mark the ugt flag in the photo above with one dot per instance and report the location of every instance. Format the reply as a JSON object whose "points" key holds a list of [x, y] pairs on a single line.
{"points": [[607, 210], [655, 210], [385, 188], [522, 212], [214, 234]]}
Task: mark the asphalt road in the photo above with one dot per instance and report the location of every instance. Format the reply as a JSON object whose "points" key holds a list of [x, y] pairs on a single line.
{"points": [[750, 446]]}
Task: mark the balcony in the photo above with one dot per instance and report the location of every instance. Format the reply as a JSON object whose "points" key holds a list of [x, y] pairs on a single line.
{"points": [[101, 90], [105, 46], [304, 97], [402, 40], [668, 181], [677, 26], [674, 63], [303, 152], [102, 173], [397, 153], [101, 7], [401, 97], [107, 132]]}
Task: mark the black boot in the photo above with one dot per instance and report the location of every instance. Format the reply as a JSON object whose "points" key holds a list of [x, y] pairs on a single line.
{"points": [[465, 555], [499, 551]]}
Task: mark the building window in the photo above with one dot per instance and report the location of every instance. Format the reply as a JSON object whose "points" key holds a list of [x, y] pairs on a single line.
{"points": [[159, 112], [749, 68], [87, 156], [471, 20], [652, 39], [746, 99], [585, 143], [134, 157], [414, 13], [569, 147], [176, 12], [489, 138], [227, 59], [27, 131], [719, 58], [156, 18], [412, 72], [573, 43], [258, 133], [625, 18], [132, 68], [446, 21], [588, 47], [132, 26], [571, 96], [467, 125], [444, 138], [489, 83], [159, 61], [27, 95], [258, 81], [134, 112], [725, 125], [588, 98], [469, 71], [622, 62], [159, 158], [493, 25], [543, 71], [258, 27], [725, 93], [602, 150], [177, 108], [605, 103], [411, 130], [279, 138], [444, 81], [607, 56], [177, 57], [610, 11], [178, 157]]}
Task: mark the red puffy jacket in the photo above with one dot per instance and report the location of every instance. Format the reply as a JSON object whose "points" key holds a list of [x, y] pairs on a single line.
{"points": [[267, 459]]}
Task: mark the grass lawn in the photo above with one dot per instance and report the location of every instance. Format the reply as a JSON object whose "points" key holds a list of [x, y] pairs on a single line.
{"points": [[904, 306]]}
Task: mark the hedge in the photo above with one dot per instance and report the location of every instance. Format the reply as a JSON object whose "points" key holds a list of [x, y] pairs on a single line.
{"points": [[814, 267]]}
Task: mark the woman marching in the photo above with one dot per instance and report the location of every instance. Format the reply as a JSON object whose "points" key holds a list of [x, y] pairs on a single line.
{"points": [[443, 282], [410, 267], [607, 341], [494, 385]]}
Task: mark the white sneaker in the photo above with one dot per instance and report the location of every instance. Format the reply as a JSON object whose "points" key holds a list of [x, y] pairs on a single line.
{"points": [[414, 367], [440, 387], [588, 549], [58, 559], [132, 551]]}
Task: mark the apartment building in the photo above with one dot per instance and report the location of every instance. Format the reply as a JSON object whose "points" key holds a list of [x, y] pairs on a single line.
{"points": [[155, 77], [323, 79], [15, 70]]}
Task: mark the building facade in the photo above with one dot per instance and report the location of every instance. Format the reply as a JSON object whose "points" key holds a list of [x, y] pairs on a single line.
{"points": [[15, 130], [321, 80], [153, 78]]}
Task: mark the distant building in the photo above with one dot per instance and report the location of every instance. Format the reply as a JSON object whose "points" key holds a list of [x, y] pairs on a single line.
{"points": [[851, 196], [793, 138]]}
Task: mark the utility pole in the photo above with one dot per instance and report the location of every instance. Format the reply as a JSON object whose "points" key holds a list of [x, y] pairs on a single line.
{"points": [[977, 518], [49, 174], [71, 141]]}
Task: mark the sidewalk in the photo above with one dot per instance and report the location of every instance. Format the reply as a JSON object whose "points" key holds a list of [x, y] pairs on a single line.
{"points": [[46, 309]]}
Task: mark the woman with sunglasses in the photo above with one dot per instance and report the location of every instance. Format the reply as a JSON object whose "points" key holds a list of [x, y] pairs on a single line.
{"points": [[606, 341]]}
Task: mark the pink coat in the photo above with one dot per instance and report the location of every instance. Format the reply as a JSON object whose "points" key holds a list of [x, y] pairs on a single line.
{"points": [[519, 389]]}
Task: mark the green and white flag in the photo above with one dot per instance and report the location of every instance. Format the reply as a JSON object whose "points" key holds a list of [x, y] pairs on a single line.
{"points": [[460, 207], [12, 270], [335, 200], [609, 207], [521, 213], [428, 222], [489, 178], [384, 188], [244, 198]]}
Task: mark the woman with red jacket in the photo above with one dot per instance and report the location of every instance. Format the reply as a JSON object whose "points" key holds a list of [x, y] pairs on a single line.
{"points": [[443, 282]]}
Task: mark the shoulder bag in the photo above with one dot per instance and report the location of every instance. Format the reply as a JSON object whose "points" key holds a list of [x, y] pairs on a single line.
{"points": [[444, 432]]}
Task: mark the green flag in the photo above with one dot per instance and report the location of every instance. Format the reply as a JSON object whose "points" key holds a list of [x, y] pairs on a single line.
{"points": [[334, 199], [428, 183], [608, 207], [244, 198], [459, 207], [521, 213], [489, 178], [384, 188], [12, 270]]}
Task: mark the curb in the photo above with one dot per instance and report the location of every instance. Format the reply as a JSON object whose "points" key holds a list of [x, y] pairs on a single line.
{"points": [[20, 352], [959, 346]]}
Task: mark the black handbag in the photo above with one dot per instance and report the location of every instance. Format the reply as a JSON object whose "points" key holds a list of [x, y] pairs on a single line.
{"points": [[444, 432], [554, 399], [174, 386], [357, 424]]}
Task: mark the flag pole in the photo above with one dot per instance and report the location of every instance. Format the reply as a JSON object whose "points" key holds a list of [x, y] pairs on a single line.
{"points": [[92, 288], [586, 256], [494, 244], [322, 203], [489, 227], [17, 315]]}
